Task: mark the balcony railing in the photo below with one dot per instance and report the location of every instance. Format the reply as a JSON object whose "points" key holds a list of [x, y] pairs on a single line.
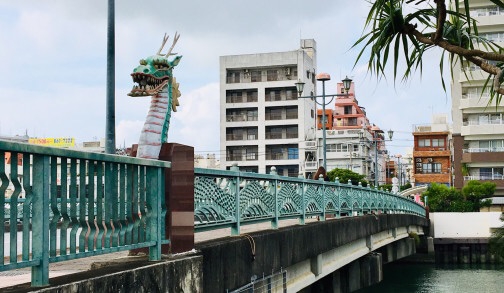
{"points": [[486, 176], [282, 156], [488, 122], [238, 118], [250, 156], [484, 150], [311, 165], [231, 137]]}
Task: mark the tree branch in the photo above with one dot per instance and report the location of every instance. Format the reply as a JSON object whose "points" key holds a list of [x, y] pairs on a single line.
{"points": [[441, 19]]}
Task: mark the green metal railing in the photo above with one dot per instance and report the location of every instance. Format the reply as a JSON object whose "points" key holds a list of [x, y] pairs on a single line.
{"points": [[62, 204], [230, 199]]}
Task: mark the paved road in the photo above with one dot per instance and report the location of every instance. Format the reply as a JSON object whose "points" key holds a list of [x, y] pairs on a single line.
{"points": [[20, 276]]}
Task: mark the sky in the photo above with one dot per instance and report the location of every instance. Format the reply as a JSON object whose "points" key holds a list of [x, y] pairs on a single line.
{"points": [[53, 54]]}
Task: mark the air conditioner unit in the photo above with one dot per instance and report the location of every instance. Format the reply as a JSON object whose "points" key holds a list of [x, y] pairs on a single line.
{"points": [[310, 145]]}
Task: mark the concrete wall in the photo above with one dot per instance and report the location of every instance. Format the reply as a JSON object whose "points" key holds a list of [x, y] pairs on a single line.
{"points": [[232, 262], [137, 275], [464, 225]]}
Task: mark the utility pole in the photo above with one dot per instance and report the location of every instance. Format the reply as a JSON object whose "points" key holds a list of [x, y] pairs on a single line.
{"points": [[110, 146]]}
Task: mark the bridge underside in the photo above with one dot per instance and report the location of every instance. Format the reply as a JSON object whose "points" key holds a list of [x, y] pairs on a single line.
{"points": [[301, 255]]}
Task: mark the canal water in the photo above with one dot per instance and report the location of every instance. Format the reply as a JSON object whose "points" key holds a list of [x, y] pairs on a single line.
{"points": [[401, 277]]}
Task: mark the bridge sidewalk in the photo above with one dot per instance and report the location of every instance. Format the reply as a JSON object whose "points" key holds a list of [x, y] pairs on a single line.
{"points": [[22, 276]]}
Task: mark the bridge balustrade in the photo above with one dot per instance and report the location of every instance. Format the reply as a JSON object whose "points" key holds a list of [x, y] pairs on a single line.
{"points": [[230, 199], [63, 204]]}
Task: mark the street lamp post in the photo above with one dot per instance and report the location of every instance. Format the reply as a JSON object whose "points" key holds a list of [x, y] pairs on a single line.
{"points": [[400, 170], [347, 82], [374, 142]]}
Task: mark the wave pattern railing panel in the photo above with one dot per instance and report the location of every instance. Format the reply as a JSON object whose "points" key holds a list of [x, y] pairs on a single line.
{"points": [[230, 199], [64, 204]]}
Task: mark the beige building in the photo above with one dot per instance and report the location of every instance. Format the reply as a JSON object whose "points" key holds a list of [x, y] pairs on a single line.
{"points": [[478, 127], [263, 123]]}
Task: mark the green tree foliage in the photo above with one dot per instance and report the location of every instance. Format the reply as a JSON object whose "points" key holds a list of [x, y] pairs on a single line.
{"points": [[405, 29], [497, 240], [442, 198], [344, 175], [478, 193], [405, 186], [386, 187], [389, 186]]}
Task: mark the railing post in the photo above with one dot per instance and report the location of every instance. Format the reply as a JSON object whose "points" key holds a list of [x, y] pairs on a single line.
{"points": [[274, 223], [323, 216], [155, 192], [338, 208], [40, 223], [235, 229], [301, 188]]}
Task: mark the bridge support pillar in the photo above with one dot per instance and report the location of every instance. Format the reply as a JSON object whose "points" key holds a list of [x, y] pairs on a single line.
{"points": [[430, 245], [316, 265], [364, 272], [356, 275], [399, 249]]}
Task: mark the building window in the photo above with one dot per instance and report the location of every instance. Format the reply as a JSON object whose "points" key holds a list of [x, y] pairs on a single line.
{"points": [[233, 76], [439, 142], [491, 173], [431, 168], [348, 110], [256, 76], [272, 75], [292, 132], [424, 143]]}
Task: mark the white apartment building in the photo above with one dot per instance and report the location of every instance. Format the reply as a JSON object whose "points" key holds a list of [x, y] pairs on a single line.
{"points": [[478, 127], [262, 121]]}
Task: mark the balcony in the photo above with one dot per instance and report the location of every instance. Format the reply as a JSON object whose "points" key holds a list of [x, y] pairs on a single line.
{"points": [[483, 150], [482, 157], [478, 129], [241, 157], [240, 118], [484, 177], [233, 137], [475, 101], [282, 156], [311, 165]]}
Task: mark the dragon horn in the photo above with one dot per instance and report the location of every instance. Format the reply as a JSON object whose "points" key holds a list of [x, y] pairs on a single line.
{"points": [[165, 39], [175, 39]]}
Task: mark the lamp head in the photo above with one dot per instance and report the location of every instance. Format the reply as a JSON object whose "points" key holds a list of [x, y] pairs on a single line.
{"points": [[347, 82], [299, 87], [390, 133]]}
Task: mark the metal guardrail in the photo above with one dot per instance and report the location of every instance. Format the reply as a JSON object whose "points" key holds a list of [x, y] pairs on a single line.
{"points": [[230, 199], [120, 208], [122, 204]]}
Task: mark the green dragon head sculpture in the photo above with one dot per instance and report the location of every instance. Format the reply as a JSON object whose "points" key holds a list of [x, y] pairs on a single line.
{"points": [[154, 74], [154, 77]]}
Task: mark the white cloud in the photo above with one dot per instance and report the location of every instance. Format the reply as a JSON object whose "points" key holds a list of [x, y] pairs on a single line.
{"points": [[54, 63]]}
